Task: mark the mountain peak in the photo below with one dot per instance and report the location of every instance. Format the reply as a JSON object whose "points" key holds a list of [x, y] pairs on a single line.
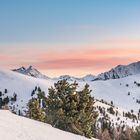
{"points": [[31, 71], [89, 77], [121, 71], [30, 67]]}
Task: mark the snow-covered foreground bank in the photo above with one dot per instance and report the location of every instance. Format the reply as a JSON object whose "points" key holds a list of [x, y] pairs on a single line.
{"points": [[13, 127]]}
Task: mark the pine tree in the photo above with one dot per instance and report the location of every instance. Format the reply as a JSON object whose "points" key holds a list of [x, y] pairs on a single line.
{"points": [[0, 102], [42, 99], [34, 110], [105, 135], [15, 97], [136, 135], [71, 110], [33, 92], [5, 91], [6, 100]]}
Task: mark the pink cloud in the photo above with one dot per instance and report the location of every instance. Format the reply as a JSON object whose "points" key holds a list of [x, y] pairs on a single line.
{"points": [[93, 58], [82, 63]]}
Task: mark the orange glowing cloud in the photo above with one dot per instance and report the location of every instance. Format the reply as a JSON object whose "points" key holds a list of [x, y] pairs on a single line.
{"points": [[81, 63]]}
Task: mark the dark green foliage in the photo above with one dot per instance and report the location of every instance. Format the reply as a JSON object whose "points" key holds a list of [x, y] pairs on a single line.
{"points": [[132, 111], [35, 88], [14, 98], [6, 100], [71, 110], [5, 91], [138, 84], [39, 89], [105, 123], [0, 103], [136, 135], [33, 92], [111, 110], [130, 115], [0, 93], [36, 106], [34, 111], [111, 102], [19, 112], [135, 82], [41, 95], [127, 85], [42, 99]]}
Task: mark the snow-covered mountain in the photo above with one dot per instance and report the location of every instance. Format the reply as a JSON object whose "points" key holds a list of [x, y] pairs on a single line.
{"points": [[119, 71], [13, 127], [68, 78], [30, 71], [89, 77]]}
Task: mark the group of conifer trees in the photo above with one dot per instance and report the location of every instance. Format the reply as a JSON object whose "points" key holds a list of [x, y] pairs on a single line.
{"points": [[65, 108], [5, 99], [72, 110]]}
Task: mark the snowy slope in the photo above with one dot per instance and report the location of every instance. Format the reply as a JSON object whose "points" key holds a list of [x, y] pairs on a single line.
{"points": [[117, 91], [13, 127], [22, 85]]}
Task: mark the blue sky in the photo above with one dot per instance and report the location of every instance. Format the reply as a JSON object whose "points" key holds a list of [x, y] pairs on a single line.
{"points": [[68, 24], [56, 20]]}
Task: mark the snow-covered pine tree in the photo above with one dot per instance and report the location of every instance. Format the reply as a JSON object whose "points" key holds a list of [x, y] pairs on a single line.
{"points": [[71, 110]]}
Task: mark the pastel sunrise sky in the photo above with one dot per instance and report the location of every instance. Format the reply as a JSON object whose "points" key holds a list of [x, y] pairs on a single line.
{"points": [[75, 37]]}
